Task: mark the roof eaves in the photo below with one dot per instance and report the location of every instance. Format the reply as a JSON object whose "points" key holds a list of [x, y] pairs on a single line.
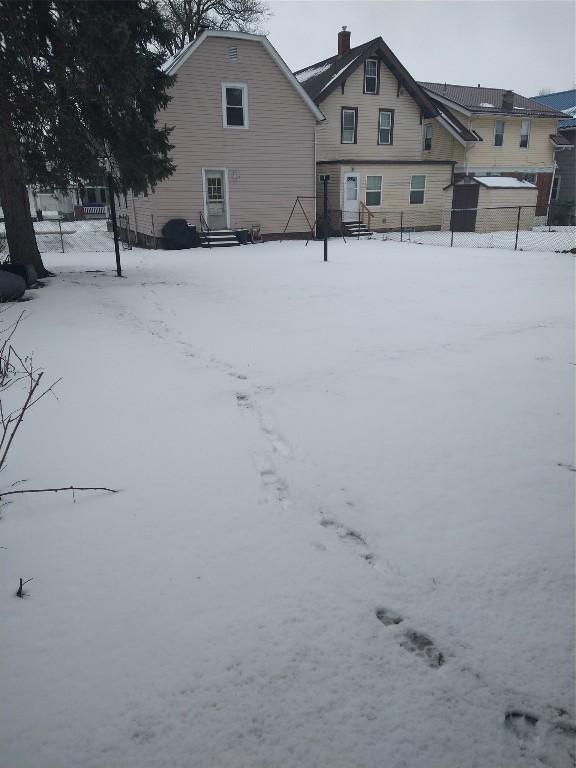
{"points": [[187, 51]]}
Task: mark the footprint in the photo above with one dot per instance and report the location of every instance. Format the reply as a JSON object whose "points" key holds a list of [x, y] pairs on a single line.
{"points": [[271, 481], [387, 617], [350, 537], [521, 724], [423, 646], [243, 401]]}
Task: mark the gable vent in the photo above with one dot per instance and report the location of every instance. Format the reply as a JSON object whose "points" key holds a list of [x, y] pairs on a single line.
{"points": [[233, 53]]}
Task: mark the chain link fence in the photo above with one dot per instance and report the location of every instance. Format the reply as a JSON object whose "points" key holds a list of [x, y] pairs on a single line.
{"points": [[519, 228], [61, 236]]}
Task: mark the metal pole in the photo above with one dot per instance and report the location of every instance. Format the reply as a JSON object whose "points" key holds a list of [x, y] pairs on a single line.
{"points": [[325, 182], [401, 218], [61, 238], [114, 225], [451, 231], [517, 228], [153, 231]]}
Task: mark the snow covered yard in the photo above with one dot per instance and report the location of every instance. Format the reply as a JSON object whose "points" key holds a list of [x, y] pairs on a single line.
{"points": [[345, 535]]}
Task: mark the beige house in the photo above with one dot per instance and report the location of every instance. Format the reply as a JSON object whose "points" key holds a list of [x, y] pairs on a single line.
{"points": [[244, 144], [513, 137], [392, 146]]}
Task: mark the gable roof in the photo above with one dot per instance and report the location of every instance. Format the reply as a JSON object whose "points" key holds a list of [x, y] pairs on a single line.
{"points": [[323, 77], [565, 101], [474, 100], [453, 125], [173, 64]]}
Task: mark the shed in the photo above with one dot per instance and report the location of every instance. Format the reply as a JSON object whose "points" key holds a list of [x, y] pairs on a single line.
{"points": [[491, 204]]}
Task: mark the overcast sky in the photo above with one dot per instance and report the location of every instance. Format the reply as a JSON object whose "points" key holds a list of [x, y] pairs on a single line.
{"points": [[515, 44]]}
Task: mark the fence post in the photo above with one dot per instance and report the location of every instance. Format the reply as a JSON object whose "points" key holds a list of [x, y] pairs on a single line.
{"points": [[153, 231], [517, 228], [451, 231], [401, 225], [61, 237], [325, 180]]}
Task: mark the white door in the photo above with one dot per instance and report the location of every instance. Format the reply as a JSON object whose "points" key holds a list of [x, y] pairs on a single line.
{"points": [[215, 191], [351, 197]]}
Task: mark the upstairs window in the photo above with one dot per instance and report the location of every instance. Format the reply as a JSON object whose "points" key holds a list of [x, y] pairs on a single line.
{"points": [[235, 105], [417, 187], [499, 133], [385, 126], [428, 137], [373, 190], [349, 124], [371, 76], [525, 133]]}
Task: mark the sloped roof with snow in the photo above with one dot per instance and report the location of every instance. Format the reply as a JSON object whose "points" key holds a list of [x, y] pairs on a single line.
{"points": [[489, 100], [503, 182], [322, 77]]}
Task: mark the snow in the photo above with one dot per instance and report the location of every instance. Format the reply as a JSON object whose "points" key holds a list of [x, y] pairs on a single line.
{"points": [[456, 128], [540, 238], [312, 72], [337, 75], [504, 182], [485, 104], [570, 111], [298, 445]]}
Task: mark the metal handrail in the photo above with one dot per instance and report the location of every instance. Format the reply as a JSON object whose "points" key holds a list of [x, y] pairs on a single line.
{"points": [[363, 208]]}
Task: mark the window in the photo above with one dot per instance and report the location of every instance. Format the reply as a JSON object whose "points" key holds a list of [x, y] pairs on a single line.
{"points": [[371, 76], [349, 121], [417, 187], [428, 137], [385, 126], [235, 105], [373, 190], [555, 188], [525, 133], [531, 177], [499, 133]]}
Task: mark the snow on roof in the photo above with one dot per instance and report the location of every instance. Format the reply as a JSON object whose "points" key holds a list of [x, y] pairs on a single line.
{"points": [[485, 104], [337, 75], [312, 72], [503, 182]]}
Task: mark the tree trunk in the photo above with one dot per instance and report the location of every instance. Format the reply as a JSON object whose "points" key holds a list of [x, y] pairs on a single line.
{"points": [[14, 199]]}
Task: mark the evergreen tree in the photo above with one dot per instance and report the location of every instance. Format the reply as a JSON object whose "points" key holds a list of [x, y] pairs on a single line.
{"points": [[81, 87]]}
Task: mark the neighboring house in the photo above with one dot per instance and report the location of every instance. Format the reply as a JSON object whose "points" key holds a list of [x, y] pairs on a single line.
{"points": [[243, 139], [391, 144], [89, 201], [515, 136], [564, 182], [373, 144]]}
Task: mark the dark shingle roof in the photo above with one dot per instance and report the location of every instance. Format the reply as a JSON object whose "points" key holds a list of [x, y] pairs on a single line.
{"points": [[489, 100], [321, 78], [565, 101], [316, 77], [464, 133]]}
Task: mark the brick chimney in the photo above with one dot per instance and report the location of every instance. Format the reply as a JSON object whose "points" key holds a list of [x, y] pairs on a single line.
{"points": [[343, 41], [507, 101]]}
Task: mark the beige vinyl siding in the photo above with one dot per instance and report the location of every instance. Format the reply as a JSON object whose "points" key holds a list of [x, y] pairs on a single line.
{"points": [[444, 145], [539, 152], [395, 192], [268, 164], [407, 138], [498, 209]]}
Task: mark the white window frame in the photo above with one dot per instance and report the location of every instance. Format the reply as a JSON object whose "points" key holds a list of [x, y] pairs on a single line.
{"points": [[553, 197], [389, 127], [375, 76], [424, 136], [529, 123], [499, 146], [343, 127], [413, 176], [244, 88], [379, 190]]}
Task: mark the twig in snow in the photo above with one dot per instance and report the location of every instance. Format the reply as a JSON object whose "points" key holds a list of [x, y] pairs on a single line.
{"points": [[20, 592], [55, 490]]}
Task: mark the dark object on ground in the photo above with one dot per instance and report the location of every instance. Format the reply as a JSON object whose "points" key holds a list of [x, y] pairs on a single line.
{"points": [[243, 236], [12, 287], [25, 271], [178, 234]]}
